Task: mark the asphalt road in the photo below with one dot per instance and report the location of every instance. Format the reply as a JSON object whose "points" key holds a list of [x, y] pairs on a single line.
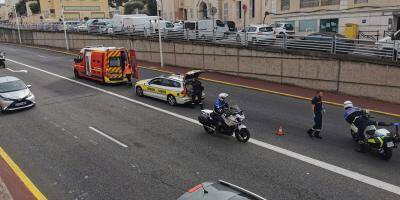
{"points": [[55, 146]]}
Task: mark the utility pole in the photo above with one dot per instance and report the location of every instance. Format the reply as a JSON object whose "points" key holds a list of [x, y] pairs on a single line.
{"points": [[65, 27], [159, 2], [16, 17]]}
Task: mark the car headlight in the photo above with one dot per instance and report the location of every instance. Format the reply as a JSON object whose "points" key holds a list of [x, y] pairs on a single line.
{"points": [[30, 95]]}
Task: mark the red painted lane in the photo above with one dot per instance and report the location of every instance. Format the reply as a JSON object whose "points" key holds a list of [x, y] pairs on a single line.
{"points": [[15, 186]]}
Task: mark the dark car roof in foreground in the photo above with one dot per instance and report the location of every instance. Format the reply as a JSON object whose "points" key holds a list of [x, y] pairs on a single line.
{"points": [[220, 190]]}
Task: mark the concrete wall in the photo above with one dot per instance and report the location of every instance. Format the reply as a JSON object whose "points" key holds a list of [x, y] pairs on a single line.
{"points": [[345, 74]]}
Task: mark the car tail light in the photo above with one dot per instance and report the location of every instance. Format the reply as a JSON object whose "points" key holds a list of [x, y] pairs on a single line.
{"points": [[195, 188], [184, 91]]}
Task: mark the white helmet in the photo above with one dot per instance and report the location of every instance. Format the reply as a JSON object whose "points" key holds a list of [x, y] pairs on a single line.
{"points": [[223, 96], [348, 104]]}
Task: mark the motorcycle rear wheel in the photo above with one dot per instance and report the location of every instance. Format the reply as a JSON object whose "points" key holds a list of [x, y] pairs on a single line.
{"points": [[243, 135], [386, 155]]}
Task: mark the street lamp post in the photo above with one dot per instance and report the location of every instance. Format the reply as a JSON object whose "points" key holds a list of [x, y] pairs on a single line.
{"points": [[16, 17], [159, 33], [65, 28]]}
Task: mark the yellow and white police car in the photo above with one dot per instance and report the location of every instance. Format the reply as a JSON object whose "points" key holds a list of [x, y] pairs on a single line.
{"points": [[175, 88]]}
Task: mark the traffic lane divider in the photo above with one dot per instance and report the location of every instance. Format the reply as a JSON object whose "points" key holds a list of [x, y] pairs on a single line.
{"points": [[19, 185], [228, 83]]}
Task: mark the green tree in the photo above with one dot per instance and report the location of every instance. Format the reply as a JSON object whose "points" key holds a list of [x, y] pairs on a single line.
{"points": [[129, 8], [21, 8], [35, 8], [116, 3], [152, 7]]}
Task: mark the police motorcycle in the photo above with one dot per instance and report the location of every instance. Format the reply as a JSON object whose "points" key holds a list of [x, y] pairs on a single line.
{"points": [[2, 60], [232, 118], [381, 140]]}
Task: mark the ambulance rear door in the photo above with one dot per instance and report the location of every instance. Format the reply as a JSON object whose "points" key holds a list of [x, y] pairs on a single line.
{"points": [[87, 63], [96, 64]]}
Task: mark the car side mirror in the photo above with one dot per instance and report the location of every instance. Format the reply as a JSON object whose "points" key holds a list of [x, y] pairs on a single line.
{"points": [[29, 86]]}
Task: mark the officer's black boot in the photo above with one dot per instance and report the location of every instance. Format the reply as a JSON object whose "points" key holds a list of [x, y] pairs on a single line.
{"points": [[361, 146], [316, 135], [310, 132]]}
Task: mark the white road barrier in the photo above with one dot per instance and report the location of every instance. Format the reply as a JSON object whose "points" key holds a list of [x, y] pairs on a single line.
{"points": [[336, 169]]}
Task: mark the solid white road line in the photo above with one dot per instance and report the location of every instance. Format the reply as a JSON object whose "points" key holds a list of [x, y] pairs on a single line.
{"points": [[17, 71], [108, 137], [344, 172]]}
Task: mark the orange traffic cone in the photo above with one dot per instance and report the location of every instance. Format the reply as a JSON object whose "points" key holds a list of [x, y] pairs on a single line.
{"points": [[280, 131]]}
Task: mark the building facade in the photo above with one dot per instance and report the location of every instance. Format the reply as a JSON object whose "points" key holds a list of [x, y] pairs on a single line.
{"points": [[305, 15], [227, 10], [333, 15], [74, 9]]}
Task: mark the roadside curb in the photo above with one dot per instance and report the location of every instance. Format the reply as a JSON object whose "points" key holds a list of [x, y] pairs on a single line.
{"points": [[224, 82]]}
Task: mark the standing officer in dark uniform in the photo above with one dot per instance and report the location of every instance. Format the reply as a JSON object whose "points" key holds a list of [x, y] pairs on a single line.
{"points": [[317, 109], [197, 93]]}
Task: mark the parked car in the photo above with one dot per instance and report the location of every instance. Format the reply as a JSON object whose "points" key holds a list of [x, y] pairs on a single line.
{"points": [[203, 29], [15, 94], [283, 29], [387, 43], [256, 33], [220, 190], [231, 26], [99, 26], [328, 36], [82, 27], [170, 88]]}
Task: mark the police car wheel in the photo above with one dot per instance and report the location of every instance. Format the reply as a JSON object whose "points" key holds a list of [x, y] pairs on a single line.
{"points": [[139, 91], [171, 100]]}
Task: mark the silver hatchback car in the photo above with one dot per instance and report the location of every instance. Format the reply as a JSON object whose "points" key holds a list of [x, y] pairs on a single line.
{"points": [[15, 94]]}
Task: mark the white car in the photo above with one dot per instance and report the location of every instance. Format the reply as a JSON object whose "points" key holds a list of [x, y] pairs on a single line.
{"points": [[387, 43], [175, 89], [15, 94], [283, 29], [256, 33]]}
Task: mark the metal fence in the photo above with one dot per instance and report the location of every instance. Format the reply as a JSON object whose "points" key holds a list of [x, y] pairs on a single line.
{"points": [[332, 45]]}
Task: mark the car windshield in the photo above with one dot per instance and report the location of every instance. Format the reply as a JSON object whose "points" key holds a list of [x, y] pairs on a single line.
{"points": [[289, 27], [169, 25], [12, 86]]}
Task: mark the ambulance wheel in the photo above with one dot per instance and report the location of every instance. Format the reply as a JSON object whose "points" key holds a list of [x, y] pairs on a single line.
{"points": [[76, 74], [171, 100], [139, 91]]}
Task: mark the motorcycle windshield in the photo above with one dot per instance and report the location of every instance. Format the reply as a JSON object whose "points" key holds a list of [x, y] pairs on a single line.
{"points": [[235, 109]]}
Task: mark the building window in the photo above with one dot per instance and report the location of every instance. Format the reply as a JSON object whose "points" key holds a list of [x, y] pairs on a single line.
{"points": [[191, 13], [329, 25], [329, 2], [226, 14], [360, 1], [239, 10], [285, 5], [266, 3], [309, 3], [308, 25], [252, 9]]}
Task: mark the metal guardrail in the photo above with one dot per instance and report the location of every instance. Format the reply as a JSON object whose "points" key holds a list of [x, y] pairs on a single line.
{"points": [[332, 45]]}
